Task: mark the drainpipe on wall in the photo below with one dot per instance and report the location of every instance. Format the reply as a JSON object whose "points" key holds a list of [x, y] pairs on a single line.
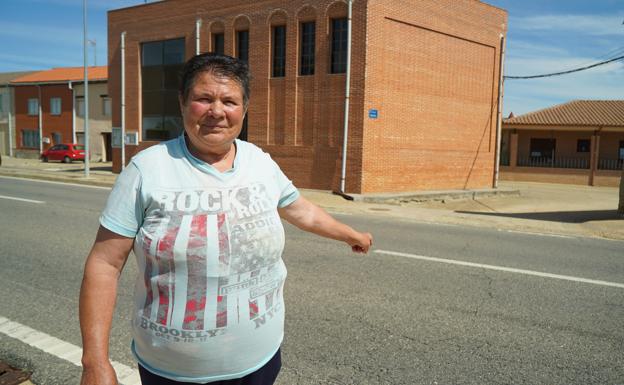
{"points": [[123, 100], [71, 87], [346, 106], [499, 111], [198, 24], [40, 120]]}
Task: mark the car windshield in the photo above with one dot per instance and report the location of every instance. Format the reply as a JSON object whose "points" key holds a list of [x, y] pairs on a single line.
{"points": [[79, 147]]}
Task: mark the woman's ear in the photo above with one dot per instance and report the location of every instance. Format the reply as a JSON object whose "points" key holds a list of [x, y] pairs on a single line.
{"points": [[181, 102]]}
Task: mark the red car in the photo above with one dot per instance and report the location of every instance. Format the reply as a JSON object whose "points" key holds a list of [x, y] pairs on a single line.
{"points": [[64, 152]]}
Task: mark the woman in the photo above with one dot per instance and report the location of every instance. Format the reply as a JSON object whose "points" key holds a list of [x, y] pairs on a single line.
{"points": [[202, 214]]}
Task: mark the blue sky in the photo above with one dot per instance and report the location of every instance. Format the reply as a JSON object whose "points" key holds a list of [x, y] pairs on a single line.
{"points": [[544, 36]]}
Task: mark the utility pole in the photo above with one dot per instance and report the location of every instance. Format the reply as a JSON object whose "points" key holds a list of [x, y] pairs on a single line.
{"points": [[86, 89]]}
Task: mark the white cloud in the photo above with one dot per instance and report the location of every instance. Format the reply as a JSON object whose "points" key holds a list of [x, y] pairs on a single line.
{"points": [[589, 25]]}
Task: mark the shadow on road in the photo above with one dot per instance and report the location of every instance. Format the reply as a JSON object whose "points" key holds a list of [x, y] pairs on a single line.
{"points": [[557, 216]]}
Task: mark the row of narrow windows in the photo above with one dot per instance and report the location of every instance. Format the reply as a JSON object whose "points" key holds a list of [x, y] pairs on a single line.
{"points": [[162, 62]]}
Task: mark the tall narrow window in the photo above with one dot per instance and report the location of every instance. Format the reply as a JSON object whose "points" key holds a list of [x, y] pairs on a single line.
{"points": [[242, 45], [80, 107], [338, 46], [621, 150], [308, 36], [161, 64], [279, 51], [33, 107], [218, 43], [55, 106], [106, 106]]}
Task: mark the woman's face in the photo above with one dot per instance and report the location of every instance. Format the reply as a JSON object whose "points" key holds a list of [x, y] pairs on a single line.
{"points": [[213, 114]]}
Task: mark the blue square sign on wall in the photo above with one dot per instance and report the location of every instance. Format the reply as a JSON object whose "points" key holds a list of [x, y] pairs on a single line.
{"points": [[373, 114]]}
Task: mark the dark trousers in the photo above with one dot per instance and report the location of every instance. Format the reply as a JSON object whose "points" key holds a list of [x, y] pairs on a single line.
{"points": [[266, 375]]}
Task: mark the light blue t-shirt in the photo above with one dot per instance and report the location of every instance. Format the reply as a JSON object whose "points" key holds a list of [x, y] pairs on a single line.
{"points": [[209, 294]]}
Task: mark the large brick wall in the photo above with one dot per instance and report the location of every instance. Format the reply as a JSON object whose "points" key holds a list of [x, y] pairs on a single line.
{"points": [[433, 70], [431, 67]]}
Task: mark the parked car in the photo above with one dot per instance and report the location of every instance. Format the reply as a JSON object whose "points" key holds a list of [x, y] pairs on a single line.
{"points": [[66, 153]]}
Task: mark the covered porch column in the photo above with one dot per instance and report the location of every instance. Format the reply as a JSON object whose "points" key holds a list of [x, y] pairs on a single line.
{"points": [[513, 149], [594, 156]]}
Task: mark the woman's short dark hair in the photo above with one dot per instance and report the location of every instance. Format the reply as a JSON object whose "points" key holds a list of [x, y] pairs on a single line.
{"points": [[219, 65]]}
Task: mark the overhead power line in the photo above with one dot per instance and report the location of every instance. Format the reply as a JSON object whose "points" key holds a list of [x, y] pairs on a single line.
{"points": [[566, 72]]}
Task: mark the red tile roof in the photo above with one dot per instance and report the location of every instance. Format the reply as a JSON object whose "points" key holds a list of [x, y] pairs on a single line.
{"points": [[575, 113], [64, 74]]}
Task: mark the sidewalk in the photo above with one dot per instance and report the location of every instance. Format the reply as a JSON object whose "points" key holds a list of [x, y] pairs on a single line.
{"points": [[514, 206]]}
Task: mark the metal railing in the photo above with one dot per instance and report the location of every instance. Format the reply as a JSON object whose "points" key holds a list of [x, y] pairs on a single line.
{"points": [[610, 164], [556, 162]]}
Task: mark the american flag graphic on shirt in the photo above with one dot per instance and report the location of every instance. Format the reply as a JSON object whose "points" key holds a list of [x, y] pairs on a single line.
{"points": [[211, 269]]}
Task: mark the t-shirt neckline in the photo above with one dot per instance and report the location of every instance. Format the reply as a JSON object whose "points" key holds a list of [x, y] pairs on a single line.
{"points": [[207, 168]]}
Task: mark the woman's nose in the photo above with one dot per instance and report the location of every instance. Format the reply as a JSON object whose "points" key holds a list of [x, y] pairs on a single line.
{"points": [[216, 109]]}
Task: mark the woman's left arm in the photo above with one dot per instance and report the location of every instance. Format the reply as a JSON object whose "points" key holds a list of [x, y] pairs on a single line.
{"points": [[309, 217]]}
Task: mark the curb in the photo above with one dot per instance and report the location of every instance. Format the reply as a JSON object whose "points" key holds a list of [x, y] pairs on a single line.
{"points": [[428, 196]]}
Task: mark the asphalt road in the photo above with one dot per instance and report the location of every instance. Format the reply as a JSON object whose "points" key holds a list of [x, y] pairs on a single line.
{"points": [[383, 318]]}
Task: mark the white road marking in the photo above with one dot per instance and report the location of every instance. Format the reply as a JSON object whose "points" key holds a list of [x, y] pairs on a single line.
{"points": [[501, 268], [554, 235], [53, 182], [61, 349], [20, 199]]}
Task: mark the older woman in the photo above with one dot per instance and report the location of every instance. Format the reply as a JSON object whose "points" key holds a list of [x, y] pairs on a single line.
{"points": [[202, 215]]}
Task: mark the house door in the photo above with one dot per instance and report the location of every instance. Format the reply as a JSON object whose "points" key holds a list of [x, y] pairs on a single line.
{"points": [[108, 147]]}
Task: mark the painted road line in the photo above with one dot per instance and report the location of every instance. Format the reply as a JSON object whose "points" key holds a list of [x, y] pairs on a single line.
{"points": [[61, 349], [553, 235], [501, 268], [20, 199], [54, 182]]}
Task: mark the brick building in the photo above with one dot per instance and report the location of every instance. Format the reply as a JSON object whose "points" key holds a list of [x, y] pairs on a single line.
{"points": [[424, 84], [578, 142], [7, 112], [49, 109]]}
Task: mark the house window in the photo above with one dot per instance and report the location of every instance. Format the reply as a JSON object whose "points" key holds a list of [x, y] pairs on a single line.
{"points": [[106, 107], [621, 150], [242, 45], [162, 62], [57, 137], [338, 45], [542, 148], [279, 51], [33, 107], [55, 106], [2, 109], [583, 145], [308, 36], [80, 107], [218, 43], [30, 138]]}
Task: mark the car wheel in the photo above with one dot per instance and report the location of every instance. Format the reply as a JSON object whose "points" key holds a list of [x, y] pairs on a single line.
{"points": [[45, 159], [67, 159]]}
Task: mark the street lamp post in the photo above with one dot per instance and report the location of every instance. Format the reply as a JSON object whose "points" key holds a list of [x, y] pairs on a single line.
{"points": [[86, 89]]}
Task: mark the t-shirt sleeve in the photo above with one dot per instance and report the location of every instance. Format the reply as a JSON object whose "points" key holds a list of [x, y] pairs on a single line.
{"points": [[288, 191], [124, 211]]}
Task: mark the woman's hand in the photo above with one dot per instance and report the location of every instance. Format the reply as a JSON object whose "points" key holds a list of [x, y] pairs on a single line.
{"points": [[361, 243], [99, 375]]}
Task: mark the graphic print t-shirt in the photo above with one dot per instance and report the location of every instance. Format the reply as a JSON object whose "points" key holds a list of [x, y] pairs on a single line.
{"points": [[209, 295]]}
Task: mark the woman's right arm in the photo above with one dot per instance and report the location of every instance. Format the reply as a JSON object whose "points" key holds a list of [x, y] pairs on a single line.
{"points": [[97, 303]]}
